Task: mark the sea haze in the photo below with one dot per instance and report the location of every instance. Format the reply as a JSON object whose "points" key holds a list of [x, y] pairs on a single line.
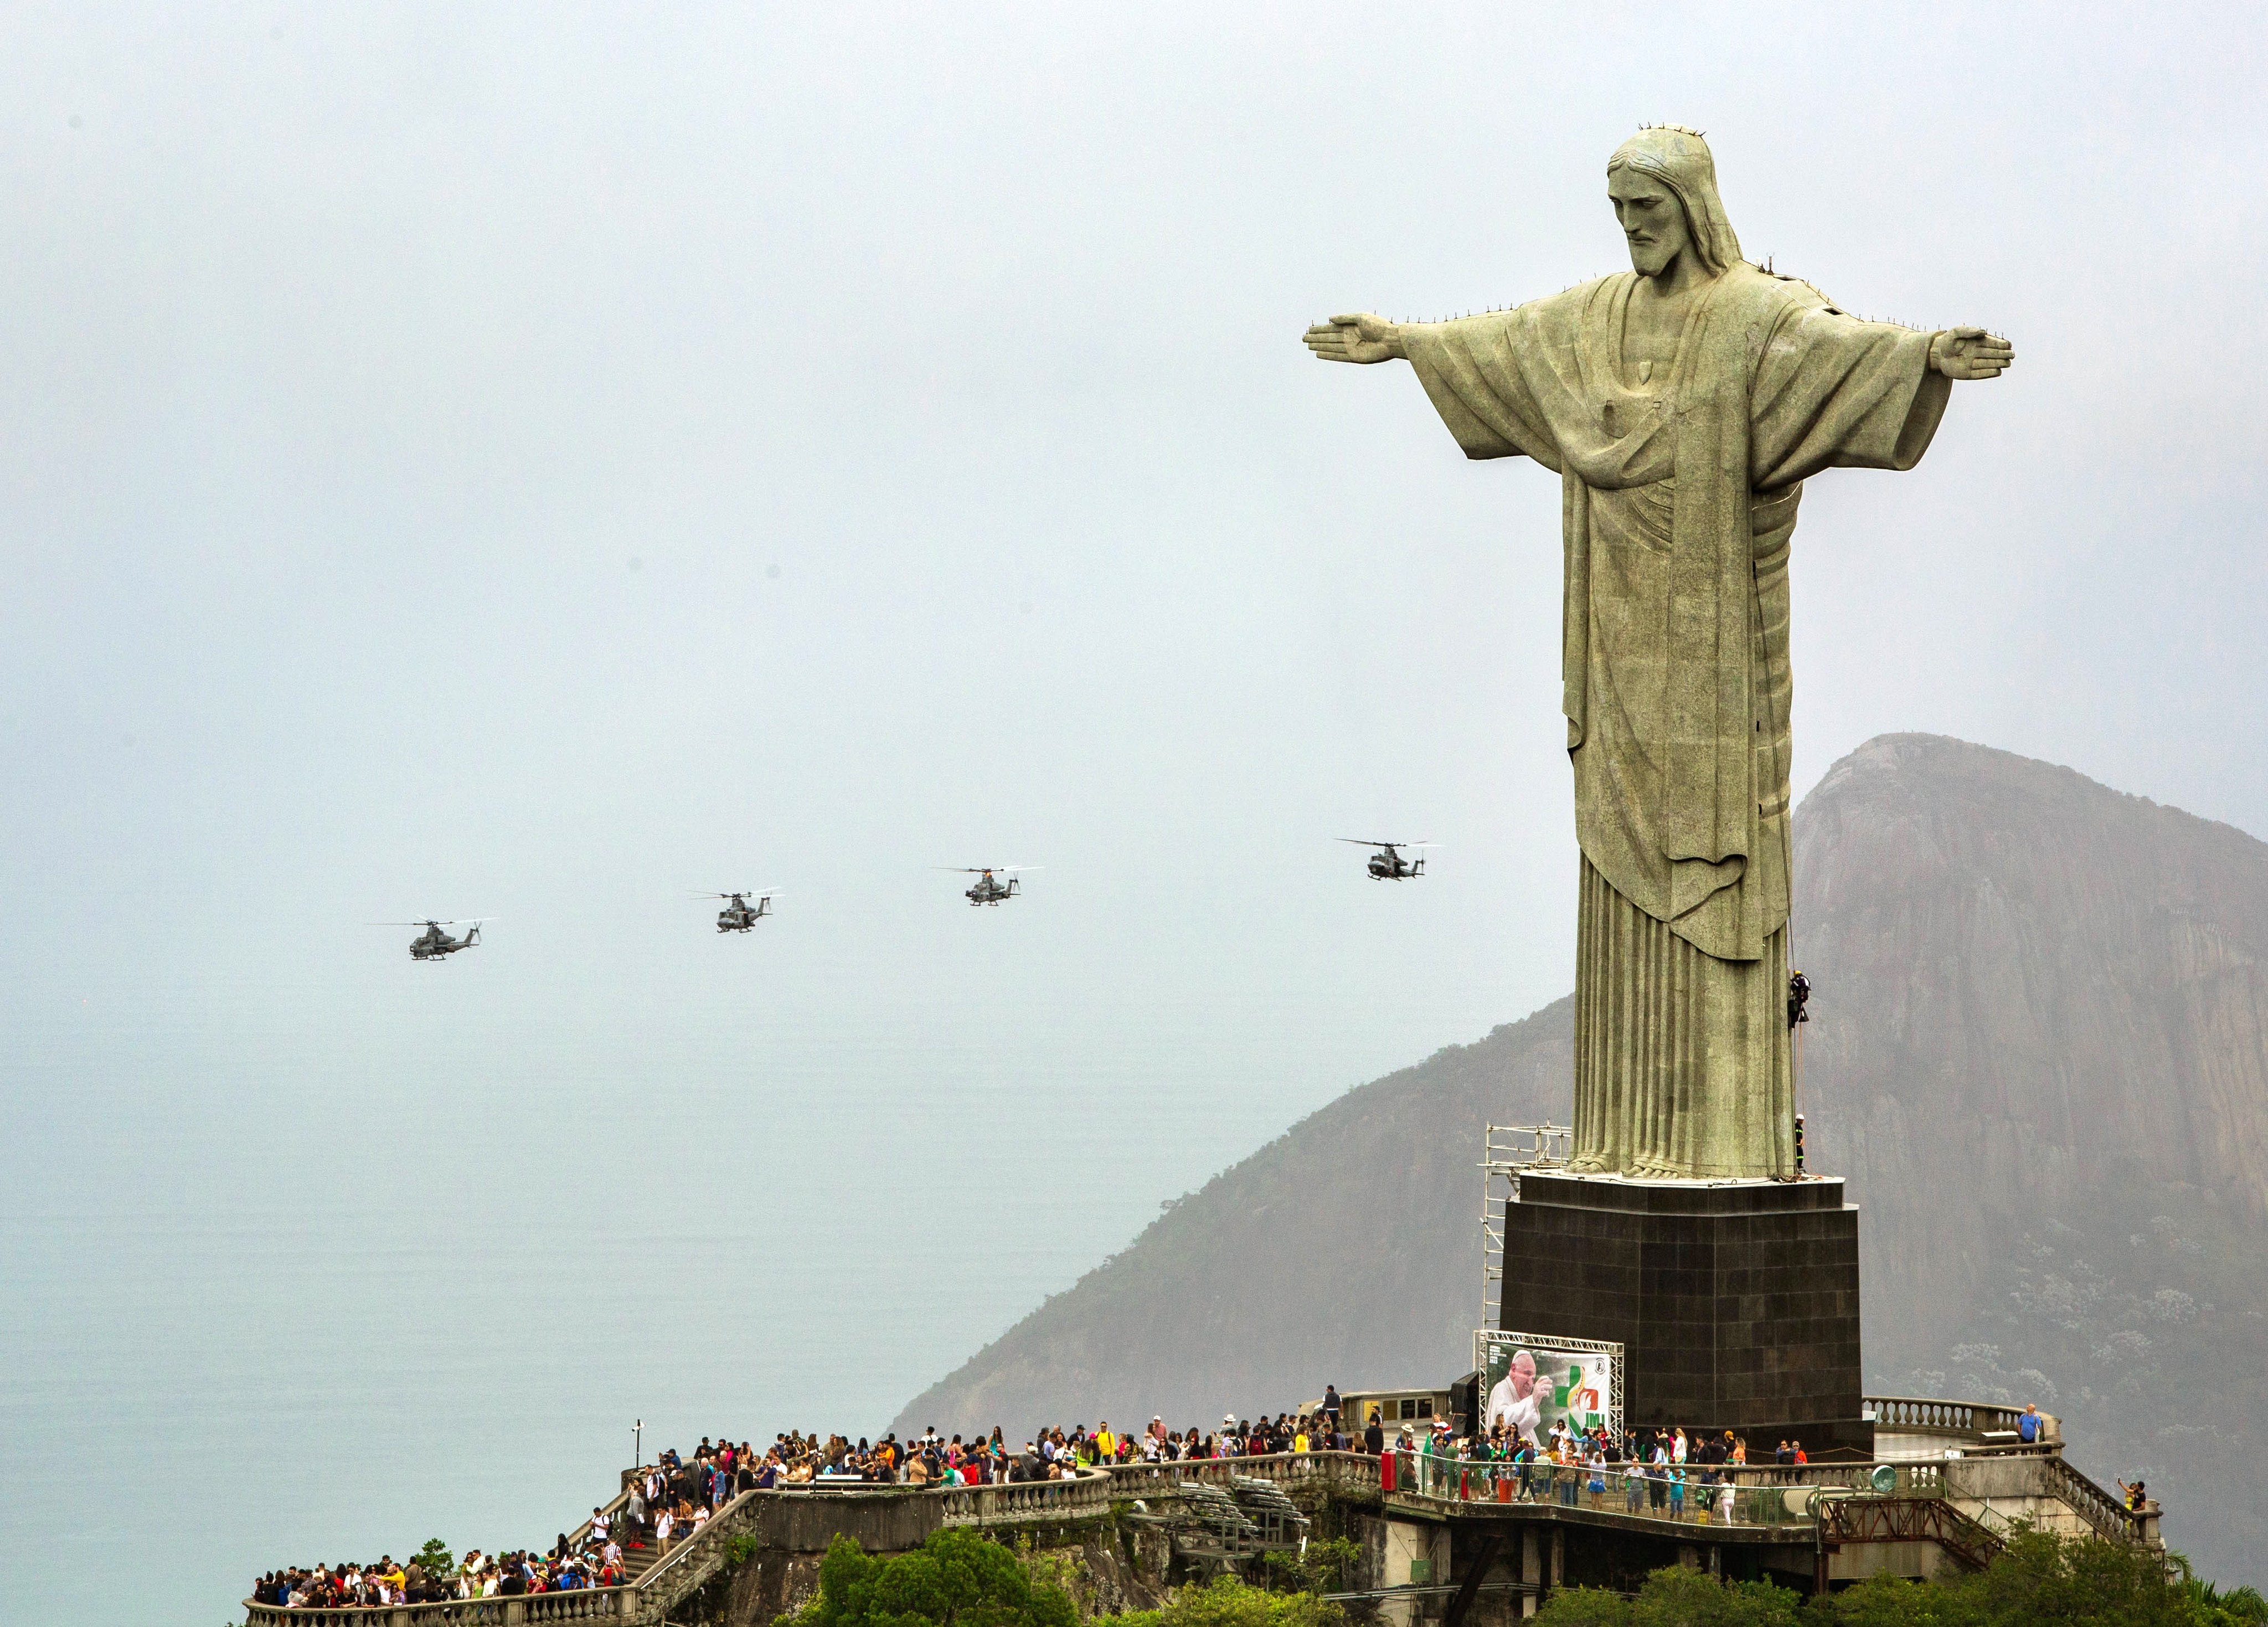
{"points": [[286, 1322]]}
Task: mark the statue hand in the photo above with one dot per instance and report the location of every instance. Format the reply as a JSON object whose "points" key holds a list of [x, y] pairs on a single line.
{"points": [[1970, 353], [1362, 338]]}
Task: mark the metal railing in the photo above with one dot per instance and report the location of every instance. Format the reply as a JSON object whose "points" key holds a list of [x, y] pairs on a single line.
{"points": [[1759, 1495]]}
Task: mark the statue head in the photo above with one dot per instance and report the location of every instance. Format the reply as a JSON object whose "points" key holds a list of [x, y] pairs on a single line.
{"points": [[1663, 185]]}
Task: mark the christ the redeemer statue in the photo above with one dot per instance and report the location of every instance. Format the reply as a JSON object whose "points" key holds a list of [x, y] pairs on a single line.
{"points": [[1683, 404]]}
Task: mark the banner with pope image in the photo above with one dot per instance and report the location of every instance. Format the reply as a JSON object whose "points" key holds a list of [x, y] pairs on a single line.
{"points": [[1530, 1381]]}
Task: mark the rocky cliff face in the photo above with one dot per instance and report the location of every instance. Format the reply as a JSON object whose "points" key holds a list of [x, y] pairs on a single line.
{"points": [[2035, 994], [2039, 1053]]}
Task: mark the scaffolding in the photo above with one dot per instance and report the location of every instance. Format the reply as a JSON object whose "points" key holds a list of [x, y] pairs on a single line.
{"points": [[1216, 1530], [1506, 1150]]}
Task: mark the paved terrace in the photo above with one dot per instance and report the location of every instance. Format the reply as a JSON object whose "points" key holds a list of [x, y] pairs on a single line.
{"points": [[1964, 1497]]}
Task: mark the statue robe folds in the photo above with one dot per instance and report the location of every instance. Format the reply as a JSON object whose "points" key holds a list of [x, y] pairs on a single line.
{"points": [[1680, 495]]}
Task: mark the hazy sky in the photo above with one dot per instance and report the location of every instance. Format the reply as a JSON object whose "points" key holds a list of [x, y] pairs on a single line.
{"points": [[545, 462]]}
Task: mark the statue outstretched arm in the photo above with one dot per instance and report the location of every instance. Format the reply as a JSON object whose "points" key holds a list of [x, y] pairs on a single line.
{"points": [[1968, 353], [1361, 338]]}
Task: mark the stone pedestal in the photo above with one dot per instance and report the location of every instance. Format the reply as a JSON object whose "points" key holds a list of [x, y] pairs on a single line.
{"points": [[1736, 1302]]}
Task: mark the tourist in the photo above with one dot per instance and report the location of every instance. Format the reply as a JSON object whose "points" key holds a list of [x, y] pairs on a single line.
{"points": [[2028, 1427]]}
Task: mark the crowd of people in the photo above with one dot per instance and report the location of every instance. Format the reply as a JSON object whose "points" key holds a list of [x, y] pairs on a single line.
{"points": [[385, 1584], [670, 1500], [667, 1502], [932, 1460], [1663, 1472]]}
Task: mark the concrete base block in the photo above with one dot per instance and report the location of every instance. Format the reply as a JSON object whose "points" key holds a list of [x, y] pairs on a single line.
{"points": [[1736, 1301]]}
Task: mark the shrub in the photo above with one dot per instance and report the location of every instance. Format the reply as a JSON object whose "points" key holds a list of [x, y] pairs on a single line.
{"points": [[1228, 1602], [1584, 1607], [954, 1579], [1676, 1597]]}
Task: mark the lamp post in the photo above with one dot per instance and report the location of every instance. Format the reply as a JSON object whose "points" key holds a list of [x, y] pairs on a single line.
{"points": [[638, 1450]]}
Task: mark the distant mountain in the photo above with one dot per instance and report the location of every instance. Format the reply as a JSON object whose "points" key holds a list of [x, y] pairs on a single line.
{"points": [[2039, 1053], [2042, 1058]]}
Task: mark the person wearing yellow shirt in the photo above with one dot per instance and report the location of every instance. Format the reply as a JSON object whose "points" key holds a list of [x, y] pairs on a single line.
{"points": [[1105, 1444]]}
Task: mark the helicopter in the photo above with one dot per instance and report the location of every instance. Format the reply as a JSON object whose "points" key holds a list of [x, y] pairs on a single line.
{"points": [[433, 943], [739, 915], [1388, 864], [990, 889]]}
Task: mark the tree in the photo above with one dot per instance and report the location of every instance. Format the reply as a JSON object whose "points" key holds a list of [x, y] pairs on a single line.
{"points": [[2042, 1581], [1893, 1602], [954, 1579]]}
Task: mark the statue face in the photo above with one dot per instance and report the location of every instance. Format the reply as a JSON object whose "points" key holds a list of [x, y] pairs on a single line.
{"points": [[1652, 219]]}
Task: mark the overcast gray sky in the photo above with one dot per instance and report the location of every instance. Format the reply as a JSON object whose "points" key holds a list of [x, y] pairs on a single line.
{"points": [[542, 462]]}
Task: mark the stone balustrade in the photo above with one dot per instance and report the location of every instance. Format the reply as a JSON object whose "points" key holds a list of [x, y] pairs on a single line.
{"points": [[1024, 1501], [1344, 1471], [579, 1604], [2105, 1511], [1922, 1415]]}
